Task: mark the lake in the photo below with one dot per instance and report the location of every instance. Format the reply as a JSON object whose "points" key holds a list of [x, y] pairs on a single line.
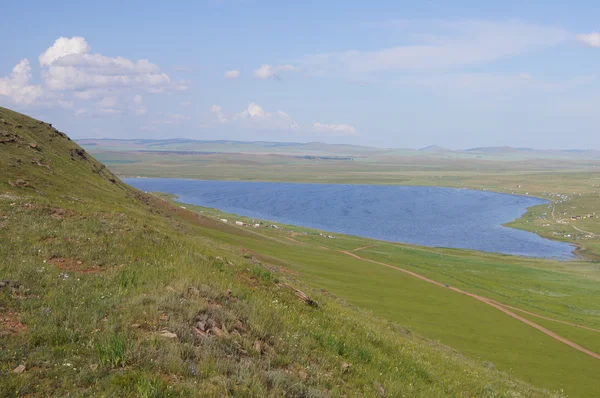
{"points": [[427, 216]]}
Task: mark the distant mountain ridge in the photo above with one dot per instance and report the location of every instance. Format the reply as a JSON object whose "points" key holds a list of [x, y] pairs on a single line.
{"points": [[430, 148], [434, 148], [318, 149]]}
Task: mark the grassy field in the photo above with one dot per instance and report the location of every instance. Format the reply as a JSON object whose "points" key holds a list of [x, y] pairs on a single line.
{"points": [[563, 291], [567, 292], [107, 291]]}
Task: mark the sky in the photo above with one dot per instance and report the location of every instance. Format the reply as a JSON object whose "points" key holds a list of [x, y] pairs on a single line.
{"points": [[404, 74]]}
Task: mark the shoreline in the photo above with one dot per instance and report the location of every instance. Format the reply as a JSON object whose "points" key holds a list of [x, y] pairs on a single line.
{"points": [[575, 253]]}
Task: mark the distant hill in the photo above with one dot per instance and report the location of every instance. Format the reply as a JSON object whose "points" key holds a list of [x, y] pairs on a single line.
{"points": [[532, 153], [317, 149], [434, 148], [227, 146], [492, 149]]}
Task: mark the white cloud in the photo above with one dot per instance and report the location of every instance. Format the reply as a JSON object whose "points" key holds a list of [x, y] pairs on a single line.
{"points": [[62, 47], [186, 103], [17, 85], [264, 72], [267, 71], [71, 66], [590, 39], [80, 111], [232, 74], [253, 111], [255, 117], [218, 112], [71, 73], [439, 45], [291, 123], [338, 129]]}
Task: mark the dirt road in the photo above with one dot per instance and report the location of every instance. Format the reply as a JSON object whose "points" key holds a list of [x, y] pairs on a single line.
{"points": [[489, 302]]}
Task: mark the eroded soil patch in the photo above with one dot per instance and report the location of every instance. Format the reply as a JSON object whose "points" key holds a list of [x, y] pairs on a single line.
{"points": [[10, 324], [70, 264]]}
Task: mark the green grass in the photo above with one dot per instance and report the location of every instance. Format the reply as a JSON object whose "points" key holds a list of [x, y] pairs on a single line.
{"points": [[565, 291], [105, 271]]}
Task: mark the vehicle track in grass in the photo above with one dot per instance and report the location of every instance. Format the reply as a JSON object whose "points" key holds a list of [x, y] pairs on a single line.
{"points": [[492, 303]]}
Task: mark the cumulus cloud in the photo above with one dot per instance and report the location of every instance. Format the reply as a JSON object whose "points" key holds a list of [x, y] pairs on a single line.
{"points": [[338, 129], [253, 111], [218, 112], [264, 72], [17, 85], [291, 123], [71, 66], [62, 47], [267, 71], [232, 74], [254, 116], [70, 72], [590, 39], [525, 76]]}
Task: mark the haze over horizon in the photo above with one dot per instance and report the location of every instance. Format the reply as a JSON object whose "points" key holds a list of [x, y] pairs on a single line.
{"points": [[390, 74], [429, 148]]}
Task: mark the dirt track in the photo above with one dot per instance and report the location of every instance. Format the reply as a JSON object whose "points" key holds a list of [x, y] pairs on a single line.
{"points": [[502, 307], [491, 303]]}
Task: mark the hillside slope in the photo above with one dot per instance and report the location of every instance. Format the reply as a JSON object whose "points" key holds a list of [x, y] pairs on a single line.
{"points": [[108, 291]]}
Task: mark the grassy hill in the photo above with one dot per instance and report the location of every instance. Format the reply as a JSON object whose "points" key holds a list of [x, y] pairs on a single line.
{"points": [[108, 291]]}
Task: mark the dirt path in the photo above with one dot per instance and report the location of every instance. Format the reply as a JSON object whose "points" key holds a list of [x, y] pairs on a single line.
{"points": [[545, 317], [293, 240], [585, 232], [364, 247], [484, 300], [574, 227]]}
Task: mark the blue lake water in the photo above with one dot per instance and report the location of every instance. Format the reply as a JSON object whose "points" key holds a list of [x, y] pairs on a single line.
{"points": [[428, 216]]}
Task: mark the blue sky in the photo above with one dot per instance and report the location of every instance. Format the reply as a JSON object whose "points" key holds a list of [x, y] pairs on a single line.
{"points": [[386, 73]]}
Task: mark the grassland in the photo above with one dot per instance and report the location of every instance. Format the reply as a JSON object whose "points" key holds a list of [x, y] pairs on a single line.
{"points": [[563, 291], [572, 184], [566, 292], [106, 286], [107, 291]]}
